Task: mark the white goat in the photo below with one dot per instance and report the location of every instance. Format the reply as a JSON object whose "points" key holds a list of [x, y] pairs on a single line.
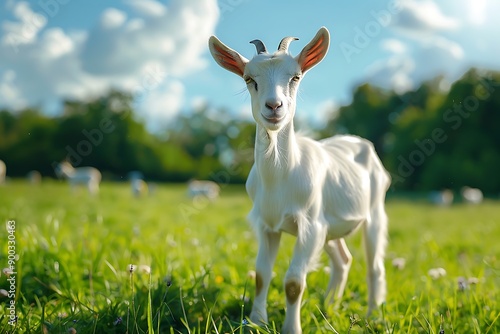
{"points": [[88, 176], [442, 198], [3, 171], [471, 195], [139, 187], [34, 177], [206, 189], [319, 191]]}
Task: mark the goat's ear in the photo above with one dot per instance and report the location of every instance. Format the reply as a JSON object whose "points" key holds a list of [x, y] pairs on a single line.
{"points": [[227, 57], [315, 51]]}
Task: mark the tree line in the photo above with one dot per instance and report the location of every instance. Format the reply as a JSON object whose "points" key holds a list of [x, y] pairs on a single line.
{"points": [[433, 137]]}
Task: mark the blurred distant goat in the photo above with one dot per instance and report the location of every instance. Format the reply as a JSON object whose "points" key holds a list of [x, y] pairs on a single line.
{"points": [[34, 177], [139, 187], [207, 189], [3, 171], [88, 176], [443, 198], [472, 195]]}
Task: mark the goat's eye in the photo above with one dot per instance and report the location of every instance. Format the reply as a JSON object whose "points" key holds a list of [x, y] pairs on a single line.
{"points": [[295, 78], [251, 81]]}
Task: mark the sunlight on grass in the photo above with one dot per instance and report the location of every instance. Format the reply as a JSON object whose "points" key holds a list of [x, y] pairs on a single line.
{"points": [[74, 255]]}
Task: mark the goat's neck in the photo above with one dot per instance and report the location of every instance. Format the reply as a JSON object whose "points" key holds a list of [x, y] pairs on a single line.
{"points": [[276, 153]]}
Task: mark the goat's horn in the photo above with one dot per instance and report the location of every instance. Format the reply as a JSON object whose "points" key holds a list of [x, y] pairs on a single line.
{"points": [[261, 48], [285, 42]]}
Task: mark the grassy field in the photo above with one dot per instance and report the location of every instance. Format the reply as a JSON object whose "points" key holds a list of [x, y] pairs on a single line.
{"points": [[192, 264]]}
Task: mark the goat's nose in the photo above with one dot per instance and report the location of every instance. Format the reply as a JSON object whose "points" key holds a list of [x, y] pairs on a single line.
{"points": [[273, 104]]}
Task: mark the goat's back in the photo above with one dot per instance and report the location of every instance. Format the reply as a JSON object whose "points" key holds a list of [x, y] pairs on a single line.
{"points": [[86, 174], [359, 156], [360, 150]]}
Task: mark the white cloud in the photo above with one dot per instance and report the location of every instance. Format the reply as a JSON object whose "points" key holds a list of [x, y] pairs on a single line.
{"points": [[423, 16], [409, 64], [325, 110], [162, 103], [445, 46], [394, 73], [420, 52], [438, 56], [477, 11], [393, 45], [112, 18], [25, 30], [55, 43], [147, 7], [9, 91], [199, 103], [120, 51]]}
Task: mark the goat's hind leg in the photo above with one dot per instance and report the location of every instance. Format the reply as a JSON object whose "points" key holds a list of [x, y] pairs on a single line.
{"points": [[375, 239], [340, 263]]}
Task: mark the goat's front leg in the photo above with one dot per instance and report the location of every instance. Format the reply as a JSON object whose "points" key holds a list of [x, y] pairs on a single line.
{"points": [[268, 249], [306, 252]]}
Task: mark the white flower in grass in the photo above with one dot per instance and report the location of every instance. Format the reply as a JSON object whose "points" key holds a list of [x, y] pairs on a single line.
{"points": [[131, 268], [465, 283], [399, 263], [145, 269], [473, 280], [245, 299], [4, 293], [7, 271], [462, 283], [436, 273], [251, 274], [327, 270]]}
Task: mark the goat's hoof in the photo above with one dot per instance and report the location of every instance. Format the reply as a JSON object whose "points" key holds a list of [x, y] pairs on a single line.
{"points": [[258, 319]]}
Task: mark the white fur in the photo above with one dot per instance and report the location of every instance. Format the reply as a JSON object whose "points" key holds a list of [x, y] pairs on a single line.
{"points": [[320, 191], [472, 195], [88, 176], [3, 171], [207, 189]]}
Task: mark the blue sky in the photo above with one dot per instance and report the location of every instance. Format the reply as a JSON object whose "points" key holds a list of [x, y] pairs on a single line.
{"points": [[51, 50]]}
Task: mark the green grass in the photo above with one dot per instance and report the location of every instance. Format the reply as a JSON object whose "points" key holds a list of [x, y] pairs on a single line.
{"points": [[75, 252]]}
